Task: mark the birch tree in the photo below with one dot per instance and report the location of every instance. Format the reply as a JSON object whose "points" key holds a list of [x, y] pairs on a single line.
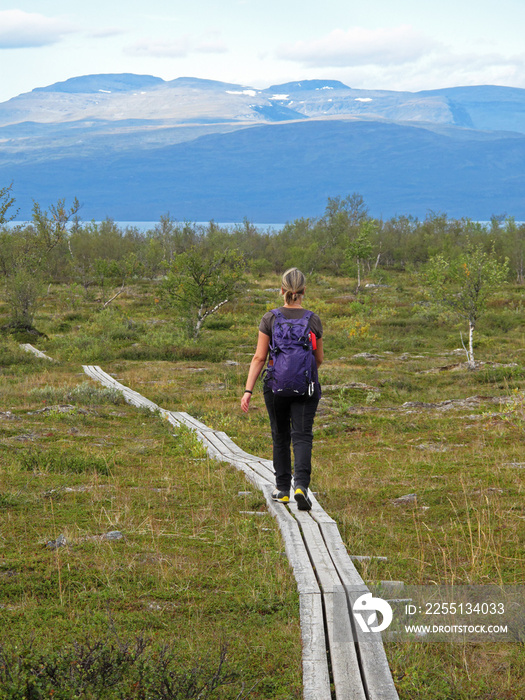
{"points": [[359, 248], [201, 281], [7, 202], [463, 286], [24, 257]]}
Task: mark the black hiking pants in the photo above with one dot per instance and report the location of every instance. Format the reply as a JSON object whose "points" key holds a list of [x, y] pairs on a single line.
{"points": [[291, 421]]}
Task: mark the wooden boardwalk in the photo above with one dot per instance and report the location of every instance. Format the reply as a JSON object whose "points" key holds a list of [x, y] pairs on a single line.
{"points": [[339, 660], [29, 348]]}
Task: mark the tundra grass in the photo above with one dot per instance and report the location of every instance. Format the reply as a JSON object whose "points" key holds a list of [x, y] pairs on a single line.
{"points": [[191, 569]]}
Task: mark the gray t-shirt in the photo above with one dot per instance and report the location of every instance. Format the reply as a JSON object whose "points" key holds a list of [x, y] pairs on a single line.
{"points": [[268, 319]]}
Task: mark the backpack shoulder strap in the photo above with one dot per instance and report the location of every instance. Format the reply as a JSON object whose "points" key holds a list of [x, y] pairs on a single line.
{"points": [[308, 317], [279, 314]]}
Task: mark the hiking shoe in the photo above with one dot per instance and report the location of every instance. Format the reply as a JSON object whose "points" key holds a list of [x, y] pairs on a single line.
{"points": [[301, 496], [281, 496]]}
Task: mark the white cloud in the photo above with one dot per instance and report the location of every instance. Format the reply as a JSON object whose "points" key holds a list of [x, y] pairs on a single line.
{"points": [[158, 48], [175, 48], [359, 46], [20, 29], [402, 58], [439, 70], [475, 69]]}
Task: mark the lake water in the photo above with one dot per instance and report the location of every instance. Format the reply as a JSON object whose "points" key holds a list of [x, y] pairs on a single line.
{"points": [[144, 226], [149, 225]]}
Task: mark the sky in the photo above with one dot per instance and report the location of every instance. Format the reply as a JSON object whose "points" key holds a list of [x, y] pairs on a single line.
{"points": [[379, 44]]}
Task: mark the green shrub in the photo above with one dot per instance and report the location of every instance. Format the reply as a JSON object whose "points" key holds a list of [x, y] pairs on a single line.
{"points": [[501, 321], [94, 669], [12, 354]]}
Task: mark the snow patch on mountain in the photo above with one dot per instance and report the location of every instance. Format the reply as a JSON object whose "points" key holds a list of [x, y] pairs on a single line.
{"points": [[250, 93]]}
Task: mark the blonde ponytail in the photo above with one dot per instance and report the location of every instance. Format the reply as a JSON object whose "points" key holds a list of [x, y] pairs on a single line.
{"points": [[293, 283]]}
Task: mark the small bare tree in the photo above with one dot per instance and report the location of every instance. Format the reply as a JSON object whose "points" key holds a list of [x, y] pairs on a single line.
{"points": [[464, 285]]}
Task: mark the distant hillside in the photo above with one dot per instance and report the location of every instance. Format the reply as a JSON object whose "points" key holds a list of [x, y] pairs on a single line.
{"points": [[278, 172], [133, 147]]}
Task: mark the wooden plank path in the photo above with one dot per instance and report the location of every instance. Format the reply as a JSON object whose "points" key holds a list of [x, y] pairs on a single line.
{"points": [[339, 660], [29, 348]]}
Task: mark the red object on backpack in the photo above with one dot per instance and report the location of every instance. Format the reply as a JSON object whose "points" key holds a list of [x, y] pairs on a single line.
{"points": [[313, 340]]}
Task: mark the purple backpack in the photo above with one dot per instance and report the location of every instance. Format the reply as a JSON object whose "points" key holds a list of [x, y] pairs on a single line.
{"points": [[292, 370]]}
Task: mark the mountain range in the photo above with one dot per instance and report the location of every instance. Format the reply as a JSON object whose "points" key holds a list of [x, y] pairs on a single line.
{"points": [[133, 147]]}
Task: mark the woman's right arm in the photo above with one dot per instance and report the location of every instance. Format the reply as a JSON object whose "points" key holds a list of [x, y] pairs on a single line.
{"points": [[256, 365], [318, 352]]}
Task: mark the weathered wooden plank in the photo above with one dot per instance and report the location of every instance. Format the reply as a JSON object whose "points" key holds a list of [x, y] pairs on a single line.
{"points": [[346, 673], [210, 448], [192, 422], [227, 456], [339, 554], [376, 671], [246, 456], [253, 469], [220, 446], [345, 665], [131, 396], [101, 376], [106, 378], [29, 348], [293, 544], [234, 459], [316, 677], [233, 447], [324, 566], [241, 453], [317, 512], [171, 416], [262, 467], [88, 369], [374, 664], [251, 475]]}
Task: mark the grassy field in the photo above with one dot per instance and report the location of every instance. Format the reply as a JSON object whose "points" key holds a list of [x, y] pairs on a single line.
{"points": [[194, 597]]}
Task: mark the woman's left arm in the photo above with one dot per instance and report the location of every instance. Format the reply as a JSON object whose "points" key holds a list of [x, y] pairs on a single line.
{"points": [[256, 365]]}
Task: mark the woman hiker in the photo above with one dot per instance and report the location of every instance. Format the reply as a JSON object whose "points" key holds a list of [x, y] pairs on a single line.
{"points": [[292, 336]]}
